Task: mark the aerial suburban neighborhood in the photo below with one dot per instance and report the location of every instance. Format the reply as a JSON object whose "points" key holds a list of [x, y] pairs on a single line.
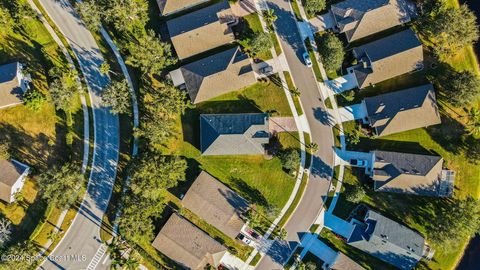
{"points": [[239, 134]]}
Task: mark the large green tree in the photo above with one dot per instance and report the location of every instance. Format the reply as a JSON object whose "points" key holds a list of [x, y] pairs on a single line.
{"points": [[313, 7], [149, 54], [91, 14], [117, 96], [6, 22], [153, 174], [331, 51], [61, 186], [448, 28], [458, 220], [63, 88], [128, 16], [261, 43], [460, 88], [290, 159]]}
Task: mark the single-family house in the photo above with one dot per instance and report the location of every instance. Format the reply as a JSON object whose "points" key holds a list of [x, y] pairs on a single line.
{"points": [[217, 204], [386, 58], [361, 18], [202, 30], [12, 179], [389, 241], [215, 75], [170, 7], [13, 84], [187, 245], [234, 134], [402, 110], [411, 173]]}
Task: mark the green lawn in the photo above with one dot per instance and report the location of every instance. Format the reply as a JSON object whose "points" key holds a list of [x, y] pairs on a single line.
{"points": [[251, 27], [296, 99]]}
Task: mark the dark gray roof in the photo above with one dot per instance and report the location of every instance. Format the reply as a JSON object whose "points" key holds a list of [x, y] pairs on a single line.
{"points": [[217, 74], [388, 240], [388, 57], [11, 92], [233, 134], [403, 110], [407, 173]]}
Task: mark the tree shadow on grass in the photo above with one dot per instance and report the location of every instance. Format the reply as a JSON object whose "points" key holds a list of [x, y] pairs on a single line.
{"points": [[252, 195], [193, 170]]}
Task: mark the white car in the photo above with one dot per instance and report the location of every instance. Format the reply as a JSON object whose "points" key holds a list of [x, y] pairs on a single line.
{"points": [[306, 59], [244, 239]]}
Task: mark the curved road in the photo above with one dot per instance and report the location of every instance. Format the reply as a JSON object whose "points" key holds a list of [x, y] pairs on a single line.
{"points": [[80, 248], [321, 132]]}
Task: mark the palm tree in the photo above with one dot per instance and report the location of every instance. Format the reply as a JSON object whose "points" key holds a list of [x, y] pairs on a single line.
{"points": [[269, 17], [312, 147], [131, 264], [473, 125], [295, 92]]}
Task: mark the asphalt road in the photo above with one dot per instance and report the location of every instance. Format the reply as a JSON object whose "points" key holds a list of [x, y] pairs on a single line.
{"points": [[321, 131], [82, 240]]}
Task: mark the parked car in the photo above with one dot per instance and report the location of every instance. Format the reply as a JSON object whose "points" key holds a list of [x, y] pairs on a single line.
{"points": [[266, 70], [253, 234], [306, 59], [244, 239], [358, 162]]}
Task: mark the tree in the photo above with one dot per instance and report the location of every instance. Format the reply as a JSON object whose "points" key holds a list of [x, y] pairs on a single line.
{"points": [[153, 174], [449, 29], [331, 51], [353, 137], [312, 147], [460, 88], [6, 21], [61, 186], [5, 231], [290, 159], [473, 125], [25, 249], [34, 99], [356, 194], [105, 68], [63, 88], [270, 18], [295, 92], [117, 96], [456, 221], [91, 14], [4, 150], [128, 16], [261, 43], [150, 55], [282, 235], [313, 7]]}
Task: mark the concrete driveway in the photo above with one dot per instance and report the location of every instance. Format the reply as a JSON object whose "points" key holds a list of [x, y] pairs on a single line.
{"points": [[322, 22], [344, 156], [342, 84], [353, 112]]}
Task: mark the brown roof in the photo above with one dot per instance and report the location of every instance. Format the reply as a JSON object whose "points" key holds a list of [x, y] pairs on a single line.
{"points": [[217, 204], [187, 245], [11, 92], [407, 173], [361, 18], [403, 110], [11, 172], [388, 57], [168, 7], [217, 74], [201, 30], [345, 263]]}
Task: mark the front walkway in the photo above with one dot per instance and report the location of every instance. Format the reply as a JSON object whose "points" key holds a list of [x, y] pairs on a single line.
{"points": [[353, 112], [342, 84]]}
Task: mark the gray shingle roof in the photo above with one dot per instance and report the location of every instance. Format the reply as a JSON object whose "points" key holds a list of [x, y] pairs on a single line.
{"points": [[187, 245], [11, 92], [388, 57], [388, 240], [10, 173], [233, 134], [407, 173], [168, 7], [201, 30], [218, 74], [403, 110], [361, 18], [217, 204]]}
